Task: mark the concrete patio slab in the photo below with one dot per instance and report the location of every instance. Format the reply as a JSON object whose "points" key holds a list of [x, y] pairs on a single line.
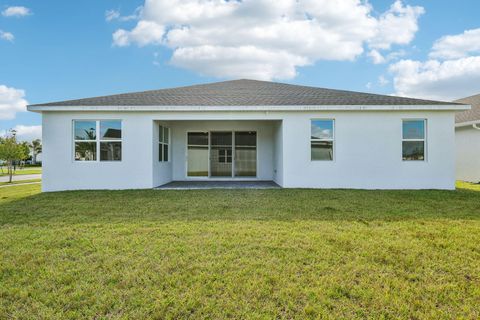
{"points": [[197, 185]]}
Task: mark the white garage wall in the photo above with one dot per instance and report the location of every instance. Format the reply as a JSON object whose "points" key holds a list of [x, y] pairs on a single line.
{"points": [[468, 154]]}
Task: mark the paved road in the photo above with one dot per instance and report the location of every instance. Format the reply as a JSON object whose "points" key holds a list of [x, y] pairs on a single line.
{"points": [[21, 177]]}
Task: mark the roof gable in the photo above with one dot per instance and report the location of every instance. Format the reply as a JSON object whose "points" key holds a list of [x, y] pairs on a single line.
{"points": [[244, 93]]}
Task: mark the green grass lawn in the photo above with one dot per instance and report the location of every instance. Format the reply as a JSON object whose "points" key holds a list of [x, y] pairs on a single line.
{"points": [[240, 254], [22, 171]]}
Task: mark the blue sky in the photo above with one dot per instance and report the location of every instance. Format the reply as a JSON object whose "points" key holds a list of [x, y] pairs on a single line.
{"points": [[57, 50]]}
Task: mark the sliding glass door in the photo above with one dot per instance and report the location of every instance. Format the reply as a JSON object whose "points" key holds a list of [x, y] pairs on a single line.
{"points": [[221, 157], [245, 154], [197, 157], [223, 154]]}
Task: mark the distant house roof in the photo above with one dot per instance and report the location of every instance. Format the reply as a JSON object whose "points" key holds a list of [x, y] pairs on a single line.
{"points": [[243, 93], [113, 133], [472, 114]]}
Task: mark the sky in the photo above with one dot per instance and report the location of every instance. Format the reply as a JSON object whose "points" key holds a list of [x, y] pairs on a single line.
{"points": [[53, 50]]}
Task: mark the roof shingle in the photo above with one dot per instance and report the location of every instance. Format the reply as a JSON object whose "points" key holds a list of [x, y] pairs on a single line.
{"points": [[472, 114], [244, 93]]}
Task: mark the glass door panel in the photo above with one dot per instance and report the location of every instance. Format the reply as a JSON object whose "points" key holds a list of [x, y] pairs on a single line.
{"points": [[246, 154], [221, 157], [197, 157]]}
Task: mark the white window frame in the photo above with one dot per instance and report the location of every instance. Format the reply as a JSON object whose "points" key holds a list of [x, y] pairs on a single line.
{"points": [[162, 143], [424, 140], [332, 140], [97, 140]]}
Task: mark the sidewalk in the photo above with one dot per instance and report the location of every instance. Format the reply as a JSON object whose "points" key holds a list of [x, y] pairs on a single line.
{"points": [[21, 177]]}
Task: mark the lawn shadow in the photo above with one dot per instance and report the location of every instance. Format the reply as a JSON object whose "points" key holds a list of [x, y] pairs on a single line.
{"points": [[137, 206]]}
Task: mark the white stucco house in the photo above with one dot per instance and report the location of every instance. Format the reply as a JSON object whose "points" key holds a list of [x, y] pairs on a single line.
{"points": [[467, 137], [296, 136]]}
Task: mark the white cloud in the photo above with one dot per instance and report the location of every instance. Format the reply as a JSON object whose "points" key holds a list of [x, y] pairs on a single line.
{"points": [[238, 62], [4, 35], [111, 15], [377, 57], [146, 32], [457, 46], [28, 133], [16, 12], [382, 81], [266, 39], [11, 101], [397, 26], [452, 72], [433, 79], [395, 55]]}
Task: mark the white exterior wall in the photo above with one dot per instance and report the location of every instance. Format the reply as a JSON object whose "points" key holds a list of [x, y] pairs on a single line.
{"points": [[368, 149], [61, 172], [468, 153], [278, 153], [368, 152]]}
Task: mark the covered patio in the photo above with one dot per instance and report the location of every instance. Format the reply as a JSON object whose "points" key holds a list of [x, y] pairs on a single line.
{"points": [[210, 154]]}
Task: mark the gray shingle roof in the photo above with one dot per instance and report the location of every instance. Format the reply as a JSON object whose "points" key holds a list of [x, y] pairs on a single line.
{"points": [[244, 93], [472, 114]]}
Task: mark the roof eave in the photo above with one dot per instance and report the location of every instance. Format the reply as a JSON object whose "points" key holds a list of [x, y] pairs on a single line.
{"points": [[467, 123], [452, 107]]}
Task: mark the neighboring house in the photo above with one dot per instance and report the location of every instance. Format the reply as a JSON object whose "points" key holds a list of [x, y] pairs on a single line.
{"points": [[297, 136], [39, 158], [467, 136]]}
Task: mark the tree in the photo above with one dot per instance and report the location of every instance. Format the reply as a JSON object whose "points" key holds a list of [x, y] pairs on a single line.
{"points": [[11, 151], [26, 150], [36, 148]]}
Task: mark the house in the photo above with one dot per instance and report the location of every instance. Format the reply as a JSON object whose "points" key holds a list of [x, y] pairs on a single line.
{"points": [[467, 136], [297, 136]]}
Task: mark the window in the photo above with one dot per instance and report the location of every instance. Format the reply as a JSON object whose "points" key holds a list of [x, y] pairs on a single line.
{"points": [[225, 155], [413, 140], [163, 138], [85, 136], [321, 139], [110, 140], [88, 142]]}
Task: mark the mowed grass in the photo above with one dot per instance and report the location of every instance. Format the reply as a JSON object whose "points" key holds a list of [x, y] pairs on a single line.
{"points": [[250, 254]]}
